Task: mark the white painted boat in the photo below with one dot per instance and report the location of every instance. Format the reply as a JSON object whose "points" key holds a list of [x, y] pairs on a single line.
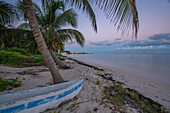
{"points": [[39, 99]]}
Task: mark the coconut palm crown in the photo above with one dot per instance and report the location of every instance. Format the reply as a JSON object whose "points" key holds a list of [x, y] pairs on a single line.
{"points": [[51, 21]]}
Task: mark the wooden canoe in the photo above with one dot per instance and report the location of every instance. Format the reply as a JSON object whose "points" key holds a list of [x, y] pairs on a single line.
{"points": [[39, 99]]}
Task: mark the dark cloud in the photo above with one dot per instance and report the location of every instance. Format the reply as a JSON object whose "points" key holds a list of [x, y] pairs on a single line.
{"points": [[155, 40], [101, 43], [165, 36], [117, 39], [147, 43]]}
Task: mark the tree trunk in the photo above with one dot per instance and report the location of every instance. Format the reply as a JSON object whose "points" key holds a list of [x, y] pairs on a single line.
{"points": [[60, 63], [57, 78]]}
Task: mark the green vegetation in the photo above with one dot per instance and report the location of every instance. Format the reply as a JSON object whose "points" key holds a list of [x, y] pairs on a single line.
{"points": [[8, 83], [98, 82], [134, 95], [117, 95], [19, 50], [118, 101], [106, 91], [67, 52], [17, 57], [119, 88], [61, 57]]}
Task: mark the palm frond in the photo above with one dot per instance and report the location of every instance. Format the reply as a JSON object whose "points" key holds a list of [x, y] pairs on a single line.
{"points": [[68, 17], [37, 9], [11, 35], [7, 13], [78, 36], [86, 7], [21, 10], [7, 32], [24, 26], [123, 14]]}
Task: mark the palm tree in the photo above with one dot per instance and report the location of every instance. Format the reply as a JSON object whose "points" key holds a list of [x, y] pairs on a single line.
{"points": [[121, 12], [57, 78], [51, 23]]}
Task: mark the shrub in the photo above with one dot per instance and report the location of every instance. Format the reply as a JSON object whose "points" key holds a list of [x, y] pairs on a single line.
{"points": [[5, 84], [15, 49], [17, 59], [61, 57]]}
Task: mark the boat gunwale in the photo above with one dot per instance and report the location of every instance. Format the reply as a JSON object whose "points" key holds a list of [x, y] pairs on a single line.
{"points": [[45, 90]]}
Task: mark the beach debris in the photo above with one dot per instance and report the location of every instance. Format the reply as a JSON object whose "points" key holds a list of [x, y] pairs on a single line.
{"points": [[85, 64], [133, 98]]}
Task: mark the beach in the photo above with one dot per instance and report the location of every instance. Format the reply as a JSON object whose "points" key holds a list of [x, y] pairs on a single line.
{"points": [[91, 97]]}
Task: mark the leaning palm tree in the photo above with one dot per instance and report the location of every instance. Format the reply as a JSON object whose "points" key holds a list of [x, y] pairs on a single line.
{"points": [[57, 78], [51, 23], [122, 12]]}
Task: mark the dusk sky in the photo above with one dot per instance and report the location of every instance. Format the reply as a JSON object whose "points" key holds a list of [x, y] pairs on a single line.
{"points": [[154, 30]]}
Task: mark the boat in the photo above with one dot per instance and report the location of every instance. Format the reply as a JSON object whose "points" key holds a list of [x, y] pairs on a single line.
{"points": [[39, 99]]}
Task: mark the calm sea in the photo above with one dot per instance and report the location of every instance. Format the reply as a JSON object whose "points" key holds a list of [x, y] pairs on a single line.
{"points": [[152, 66]]}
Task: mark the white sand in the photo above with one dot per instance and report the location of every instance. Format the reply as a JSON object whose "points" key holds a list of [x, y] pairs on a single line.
{"points": [[90, 98]]}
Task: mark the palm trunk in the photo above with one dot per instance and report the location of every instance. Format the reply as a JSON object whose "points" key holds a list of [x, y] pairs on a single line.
{"points": [[57, 78], [60, 63]]}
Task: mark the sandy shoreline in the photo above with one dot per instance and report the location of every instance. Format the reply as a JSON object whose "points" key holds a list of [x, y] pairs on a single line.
{"points": [[91, 95]]}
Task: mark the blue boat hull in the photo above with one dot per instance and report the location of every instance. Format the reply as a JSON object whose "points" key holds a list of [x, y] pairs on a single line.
{"points": [[39, 99]]}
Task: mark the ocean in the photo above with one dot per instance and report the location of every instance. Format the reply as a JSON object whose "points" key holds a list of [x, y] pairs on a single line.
{"points": [[154, 66]]}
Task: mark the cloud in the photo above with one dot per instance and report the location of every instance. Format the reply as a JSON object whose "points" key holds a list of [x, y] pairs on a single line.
{"points": [[155, 40], [117, 39], [107, 43], [101, 43], [140, 48], [165, 36]]}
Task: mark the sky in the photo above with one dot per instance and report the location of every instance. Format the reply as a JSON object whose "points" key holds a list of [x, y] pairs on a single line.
{"points": [[153, 35]]}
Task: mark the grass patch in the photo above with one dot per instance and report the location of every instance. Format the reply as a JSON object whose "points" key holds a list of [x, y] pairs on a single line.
{"points": [[134, 95], [120, 89], [117, 95], [146, 104], [98, 82], [61, 57], [9, 83], [117, 101], [106, 91], [17, 59]]}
